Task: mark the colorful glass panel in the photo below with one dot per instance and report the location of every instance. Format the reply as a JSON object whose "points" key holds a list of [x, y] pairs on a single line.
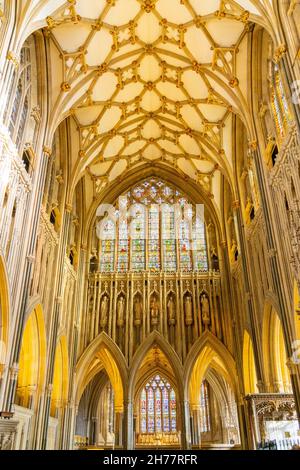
{"points": [[138, 238], [169, 240], [108, 247], [154, 242], [157, 407]]}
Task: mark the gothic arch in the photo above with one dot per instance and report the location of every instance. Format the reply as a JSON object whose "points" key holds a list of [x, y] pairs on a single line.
{"points": [[60, 376], [205, 350], [33, 358], [169, 175], [274, 352], [4, 312], [249, 370], [111, 359], [155, 339]]}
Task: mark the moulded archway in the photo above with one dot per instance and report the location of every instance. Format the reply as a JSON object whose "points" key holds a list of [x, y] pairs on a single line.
{"points": [[157, 340], [208, 348], [103, 353], [156, 369]]}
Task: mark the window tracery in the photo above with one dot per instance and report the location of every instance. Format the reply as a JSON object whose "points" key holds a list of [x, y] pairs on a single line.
{"points": [[158, 407], [156, 228]]}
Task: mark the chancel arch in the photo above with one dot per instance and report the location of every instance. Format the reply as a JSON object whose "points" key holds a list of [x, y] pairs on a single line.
{"points": [[157, 389]]}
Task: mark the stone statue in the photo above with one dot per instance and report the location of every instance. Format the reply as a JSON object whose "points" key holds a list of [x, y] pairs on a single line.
{"points": [[104, 311], [171, 311], [188, 310], [120, 311], [137, 309], [154, 311], [205, 309]]}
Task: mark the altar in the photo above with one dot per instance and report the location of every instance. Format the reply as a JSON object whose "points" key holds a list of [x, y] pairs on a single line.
{"points": [[158, 439]]}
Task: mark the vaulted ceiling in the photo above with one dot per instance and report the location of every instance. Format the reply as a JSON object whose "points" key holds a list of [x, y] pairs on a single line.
{"points": [[150, 81]]}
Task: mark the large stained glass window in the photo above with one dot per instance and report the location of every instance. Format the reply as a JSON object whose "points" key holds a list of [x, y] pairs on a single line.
{"points": [[158, 407], [158, 229]]}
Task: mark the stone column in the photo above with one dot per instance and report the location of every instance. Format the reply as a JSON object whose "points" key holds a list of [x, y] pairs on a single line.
{"points": [[249, 293], [56, 314], [25, 281], [128, 426], [278, 277], [186, 441], [196, 414], [118, 427]]}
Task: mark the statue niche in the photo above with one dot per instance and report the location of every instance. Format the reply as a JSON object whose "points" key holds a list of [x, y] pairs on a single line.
{"points": [[205, 311], [188, 317], [171, 315], [137, 319], [154, 311], [104, 310], [121, 309]]}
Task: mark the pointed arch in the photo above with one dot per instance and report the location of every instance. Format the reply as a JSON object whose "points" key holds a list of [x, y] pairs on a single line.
{"points": [[155, 339], [60, 376], [32, 363], [4, 312], [103, 353], [207, 352], [249, 369], [274, 352]]}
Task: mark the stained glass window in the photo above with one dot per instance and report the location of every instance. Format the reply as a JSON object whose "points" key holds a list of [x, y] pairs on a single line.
{"points": [[158, 229], [123, 240], [154, 241], [108, 247], [185, 240], [204, 404], [138, 237], [158, 407], [169, 238], [199, 248]]}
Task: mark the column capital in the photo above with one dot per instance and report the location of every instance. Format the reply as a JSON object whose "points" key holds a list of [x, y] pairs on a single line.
{"points": [[68, 208], [12, 57], [236, 204], [47, 151], [30, 259], [280, 51]]}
